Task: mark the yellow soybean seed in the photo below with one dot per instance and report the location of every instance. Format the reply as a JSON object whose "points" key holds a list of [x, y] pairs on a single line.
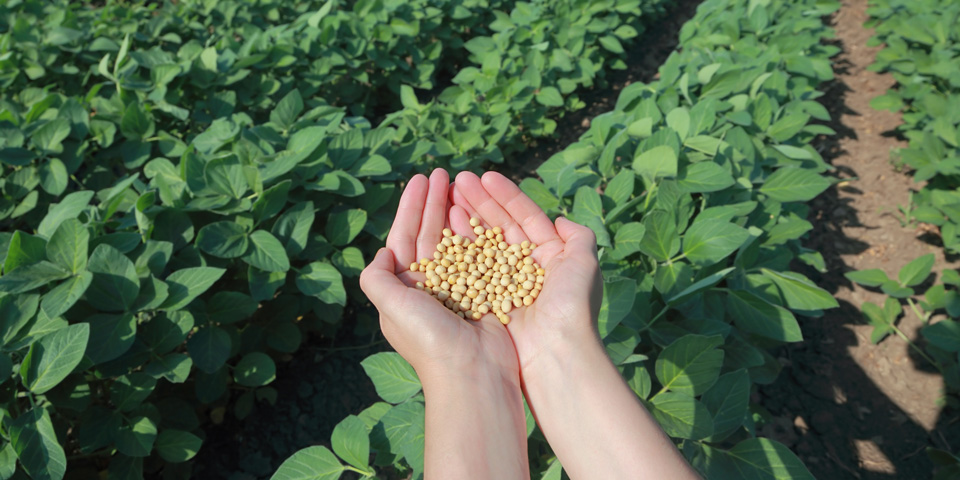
{"points": [[474, 222], [414, 267], [478, 230]]}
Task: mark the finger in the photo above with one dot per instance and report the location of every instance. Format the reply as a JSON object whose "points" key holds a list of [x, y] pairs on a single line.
{"points": [[402, 239], [434, 213], [379, 282], [525, 212], [460, 222], [456, 196], [576, 237], [489, 210]]}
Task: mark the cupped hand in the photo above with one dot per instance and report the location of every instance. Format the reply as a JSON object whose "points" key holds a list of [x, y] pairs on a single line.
{"points": [[430, 337], [572, 288]]}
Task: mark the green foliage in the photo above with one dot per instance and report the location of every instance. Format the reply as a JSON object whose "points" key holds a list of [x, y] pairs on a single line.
{"points": [[920, 40], [703, 174]]}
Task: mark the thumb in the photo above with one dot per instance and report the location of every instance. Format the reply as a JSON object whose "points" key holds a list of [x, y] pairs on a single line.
{"points": [[378, 281], [577, 236]]}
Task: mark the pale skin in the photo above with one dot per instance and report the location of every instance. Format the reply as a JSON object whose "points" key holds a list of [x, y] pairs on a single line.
{"points": [[473, 372]]}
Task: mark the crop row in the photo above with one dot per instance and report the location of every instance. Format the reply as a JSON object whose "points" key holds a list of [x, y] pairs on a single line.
{"points": [[695, 186], [184, 193], [920, 42]]}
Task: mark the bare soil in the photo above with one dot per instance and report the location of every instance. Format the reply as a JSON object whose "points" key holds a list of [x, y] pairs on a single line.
{"points": [[848, 408]]}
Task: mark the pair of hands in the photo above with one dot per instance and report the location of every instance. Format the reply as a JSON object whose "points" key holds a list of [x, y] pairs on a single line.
{"points": [[436, 342]]}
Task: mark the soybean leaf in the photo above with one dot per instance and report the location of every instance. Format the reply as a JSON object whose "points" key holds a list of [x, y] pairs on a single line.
{"points": [[65, 295], [287, 110], [68, 245], [110, 336], [177, 446], [255, 369], [53, 357], [223, 239], [794, 184], [293, 227], [915, 272], [189, 283], [682, 416], [705, 177], [394, 378], [658, 162], [69, 207], [136, 438], [755, 315], [29, 277], [698, 286], [311, 463], [263, 285], [628, 239], [660, 239], [799, 292], [323, 281], [944, 334], [209, 348], [351, 442], [758, 458], [691, 364], [343, 226], [618, 297], [728, 400], [16, 311], [115, 283], [873, 277], [24, 249], [130, 390], [271, 201], [266, 253], [708, 241], [549, 97], [35, 441], [230, 307]]}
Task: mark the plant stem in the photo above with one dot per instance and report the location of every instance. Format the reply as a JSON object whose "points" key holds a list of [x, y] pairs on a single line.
{"points": [[913, 306], [361, 472], [654, 320], [915, 347]]}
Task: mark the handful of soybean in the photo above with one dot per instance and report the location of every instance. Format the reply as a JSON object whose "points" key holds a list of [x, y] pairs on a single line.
{"points": [[475, 277]]}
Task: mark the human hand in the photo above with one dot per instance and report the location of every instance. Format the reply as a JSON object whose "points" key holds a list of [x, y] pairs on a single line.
{"points": [[428, 335], [566, 310]]}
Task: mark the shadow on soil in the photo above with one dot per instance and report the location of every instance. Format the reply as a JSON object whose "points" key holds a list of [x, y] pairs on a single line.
{"points": [[825, 406]]}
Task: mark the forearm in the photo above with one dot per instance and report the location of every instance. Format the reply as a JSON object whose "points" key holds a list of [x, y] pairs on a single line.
{"points": [[595, 424], [475, 426]]}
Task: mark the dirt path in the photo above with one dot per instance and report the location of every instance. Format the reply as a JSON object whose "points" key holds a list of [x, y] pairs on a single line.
{"points": [[851, 409]]}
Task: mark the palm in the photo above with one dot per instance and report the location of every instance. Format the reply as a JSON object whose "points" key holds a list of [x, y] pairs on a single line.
{"points": [[440, 335], [571, 257]]}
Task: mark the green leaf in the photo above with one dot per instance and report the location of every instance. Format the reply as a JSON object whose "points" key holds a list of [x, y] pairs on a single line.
{"points": [[799, 292], [53, 357], [323, 281], [658, 162], [35, 441], [68, 245], [135, 123], [753, 314], [226, 176], [136, 438], [115, 283], [110, 336], [129, 391], [794, 184], [679, 120], [69, 207], [287, 110], [705, 177], [611, 43], [209, 348], [549, 97], [189, 283], [754, 458], [177, 446], [709, 241], [618, 297], [408, 98], [628, 239], [342, 227], [53, 177], [230, 307], [660, 239], [223, 239], [873, 277], [728, 400], [271, 201], [351, 442], [57, 301], [311, 463], [620, 188], [944, 334], [266, 253], [915, 272], [24, 249], [698, 286], [293, 227], [16, 311], [29, 277], [788, 126], [49, 137], [691, 364], [682, 416], [394, 378], [255, 369], [263, 285]]}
